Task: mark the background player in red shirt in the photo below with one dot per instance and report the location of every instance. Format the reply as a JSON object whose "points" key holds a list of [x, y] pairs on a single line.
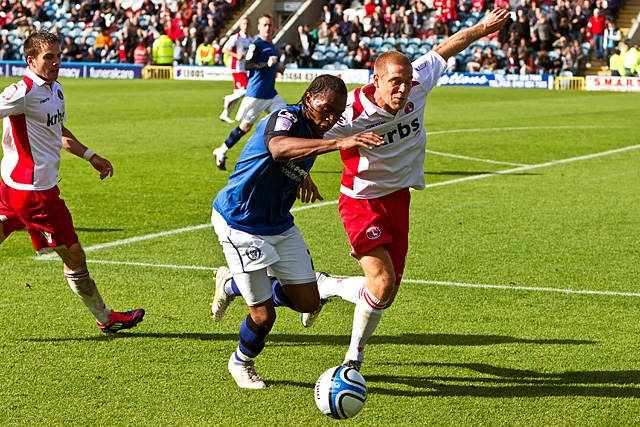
{"points": [[34, 112]]}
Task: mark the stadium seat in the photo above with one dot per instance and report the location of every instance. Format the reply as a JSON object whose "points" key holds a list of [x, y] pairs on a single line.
{"points": [[366, 40], [346, 60], [320, 47], [318, 59], [402, 41], [390, 40], [376, 42]]}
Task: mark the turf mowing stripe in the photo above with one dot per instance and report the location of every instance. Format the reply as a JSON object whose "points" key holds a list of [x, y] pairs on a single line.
{"points": [[540, 165], [437, 184], [475, 159], [419, 282]]}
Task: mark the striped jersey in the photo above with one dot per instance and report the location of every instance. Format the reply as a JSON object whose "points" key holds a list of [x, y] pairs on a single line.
{"points": [[399, 162], [33, 113], [238, 43]]}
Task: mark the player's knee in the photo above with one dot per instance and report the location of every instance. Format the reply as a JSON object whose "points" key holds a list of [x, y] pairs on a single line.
{"points": [[383, 286], [264, 319]]}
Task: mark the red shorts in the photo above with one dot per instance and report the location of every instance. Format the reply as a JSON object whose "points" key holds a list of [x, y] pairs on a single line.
{"points": [[44, 213], [240, 80], [381, 221]]}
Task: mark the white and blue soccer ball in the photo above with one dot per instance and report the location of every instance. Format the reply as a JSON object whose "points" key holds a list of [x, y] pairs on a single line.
{"points": [[341, 392]]}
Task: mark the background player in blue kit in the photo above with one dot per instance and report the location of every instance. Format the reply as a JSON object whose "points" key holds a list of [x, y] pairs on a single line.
{"points": [[261, 63], [252, 218]]}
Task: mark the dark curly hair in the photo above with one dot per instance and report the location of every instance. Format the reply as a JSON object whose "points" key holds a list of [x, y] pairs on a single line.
{"points": [[321, 84]]}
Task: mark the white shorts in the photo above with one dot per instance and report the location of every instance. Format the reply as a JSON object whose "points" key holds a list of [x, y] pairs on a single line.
{"points": [[251, 108], [286, 255]]}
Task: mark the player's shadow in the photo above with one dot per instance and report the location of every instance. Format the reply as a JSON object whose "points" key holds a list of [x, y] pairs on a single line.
{"points": [[497, 382], [333, 339], [488, 381]]}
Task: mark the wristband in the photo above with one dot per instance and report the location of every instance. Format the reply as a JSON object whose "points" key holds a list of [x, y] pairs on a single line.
{"points": [[88, 154]]}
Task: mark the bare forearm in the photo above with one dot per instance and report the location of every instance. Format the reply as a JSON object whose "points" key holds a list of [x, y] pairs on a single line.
{"points": [[296, 149], [460, 41], [71, 144]]}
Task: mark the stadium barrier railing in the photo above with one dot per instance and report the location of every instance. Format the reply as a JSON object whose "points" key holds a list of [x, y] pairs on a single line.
{"points": [[570, 83], [157, 72]]}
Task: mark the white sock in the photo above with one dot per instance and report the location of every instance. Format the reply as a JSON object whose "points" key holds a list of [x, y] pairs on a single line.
{"points": [[83, 285], [348, 289], [366, 317], [240, 358], [223, 148]]}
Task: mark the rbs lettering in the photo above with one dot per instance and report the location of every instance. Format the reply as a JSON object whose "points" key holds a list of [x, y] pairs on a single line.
{"points": [[402, 130], [58, 117]]}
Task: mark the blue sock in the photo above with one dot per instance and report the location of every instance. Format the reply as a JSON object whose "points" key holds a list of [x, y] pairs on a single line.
{"points": [[280, 299], [251, 337], [231, 289], [234, 137]]}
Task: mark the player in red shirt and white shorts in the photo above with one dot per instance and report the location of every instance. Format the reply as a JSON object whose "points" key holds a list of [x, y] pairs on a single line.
{"points": [[33, 112], [374, 199], [235, 48]]}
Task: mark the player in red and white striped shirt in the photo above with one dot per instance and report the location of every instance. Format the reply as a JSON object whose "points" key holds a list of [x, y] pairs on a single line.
{"points": [[374, 199], [34, 112], [236, 48]]}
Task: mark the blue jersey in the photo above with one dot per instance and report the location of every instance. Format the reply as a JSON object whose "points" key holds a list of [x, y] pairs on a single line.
{"points": [[262, 81], [260, 192]]}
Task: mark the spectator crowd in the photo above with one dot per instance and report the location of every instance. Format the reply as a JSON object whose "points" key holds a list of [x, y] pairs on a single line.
{"points": [[550, 37]]}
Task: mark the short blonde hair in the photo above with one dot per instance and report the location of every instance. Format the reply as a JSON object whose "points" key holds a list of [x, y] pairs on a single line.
{"points": [[390, 57]]}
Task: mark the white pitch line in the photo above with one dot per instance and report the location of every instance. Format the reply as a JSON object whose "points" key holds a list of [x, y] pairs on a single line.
{"points": [[475, 159], [522, 288], [538, 166], [437, 184], [144, 264], [419, 282], [441, 132]]}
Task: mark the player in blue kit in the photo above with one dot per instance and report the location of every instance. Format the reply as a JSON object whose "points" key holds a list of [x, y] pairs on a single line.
{"points": [[252, 217], [261, 63]]}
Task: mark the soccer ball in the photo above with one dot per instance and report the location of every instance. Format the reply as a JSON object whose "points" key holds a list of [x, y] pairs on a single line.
{"points": [[341, 392]]}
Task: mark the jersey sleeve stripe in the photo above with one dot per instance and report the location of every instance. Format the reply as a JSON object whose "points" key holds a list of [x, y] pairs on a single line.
{"points": [[23, 172]]}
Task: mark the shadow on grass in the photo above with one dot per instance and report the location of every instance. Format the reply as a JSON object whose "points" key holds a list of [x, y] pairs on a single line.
{"points": [[404, 339], [497, 382]]}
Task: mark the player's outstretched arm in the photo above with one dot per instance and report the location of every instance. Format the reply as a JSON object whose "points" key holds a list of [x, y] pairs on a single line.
{"points": [[288, 149], [71, 144], [462, 39]]}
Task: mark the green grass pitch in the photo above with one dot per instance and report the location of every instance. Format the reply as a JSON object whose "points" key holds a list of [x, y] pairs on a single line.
{"points": [[519, 305]]}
